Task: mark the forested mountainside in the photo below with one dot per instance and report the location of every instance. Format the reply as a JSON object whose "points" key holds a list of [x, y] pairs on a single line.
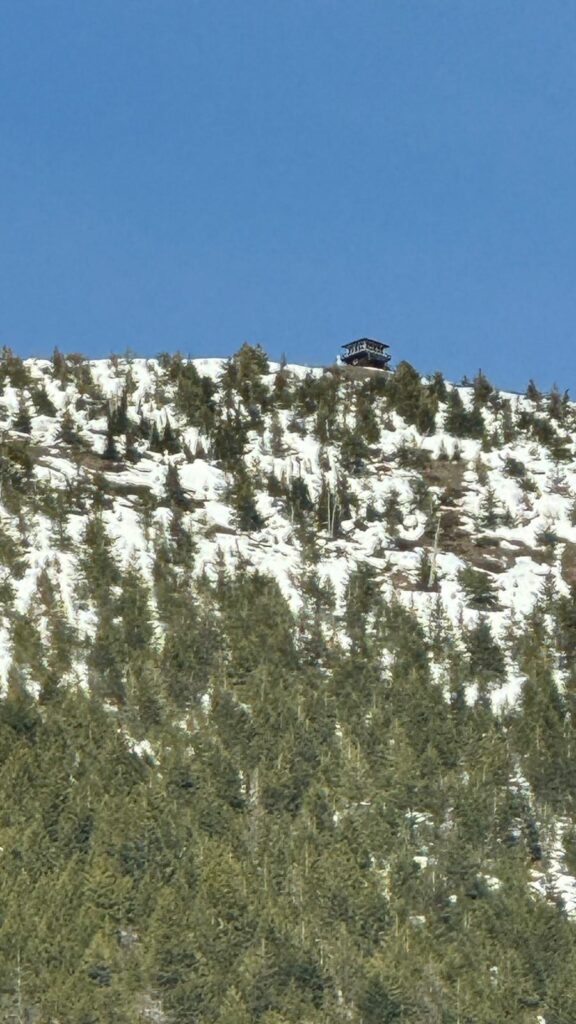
{"points": [[287, 731]]}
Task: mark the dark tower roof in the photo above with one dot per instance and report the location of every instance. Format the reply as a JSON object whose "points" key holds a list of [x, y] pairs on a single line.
{"points": [[360, 341]]}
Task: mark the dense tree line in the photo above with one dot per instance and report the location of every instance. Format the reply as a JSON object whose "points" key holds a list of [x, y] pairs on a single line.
{"points": [[299, 839]]}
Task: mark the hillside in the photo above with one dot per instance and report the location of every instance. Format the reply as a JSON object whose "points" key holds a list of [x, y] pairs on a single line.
{"points": [[287, 730]]}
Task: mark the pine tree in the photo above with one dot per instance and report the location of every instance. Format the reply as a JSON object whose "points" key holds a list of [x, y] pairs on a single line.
{"points": [[42, 402], [69, 433], [393, 515], [462, 422], [23, 421], [242, 497], [482, 389], [175, 493], [13, 369], [111, 452], [485, 657], [479, 589], [97, 565]]}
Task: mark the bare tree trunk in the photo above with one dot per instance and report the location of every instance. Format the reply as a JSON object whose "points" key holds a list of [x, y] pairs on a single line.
{"points": [[21, 1016], [332, 508], [432, 575]]}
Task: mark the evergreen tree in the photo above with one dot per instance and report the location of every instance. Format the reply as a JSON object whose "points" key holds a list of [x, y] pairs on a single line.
{"points": [[486, 660], [479, 589], [462, 422], [42, 402], [23, 420], [242, 497], [69, 433]]}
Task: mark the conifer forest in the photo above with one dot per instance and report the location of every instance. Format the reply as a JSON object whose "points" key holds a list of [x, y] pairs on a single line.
{"points": [[288, 714]]}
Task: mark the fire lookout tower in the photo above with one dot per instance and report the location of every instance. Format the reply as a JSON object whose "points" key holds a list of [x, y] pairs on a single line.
{"points": [[366, 352]]}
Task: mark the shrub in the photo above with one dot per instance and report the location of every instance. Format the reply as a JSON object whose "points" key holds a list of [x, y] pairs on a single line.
{"points": [[515, 468], [410, 456]]}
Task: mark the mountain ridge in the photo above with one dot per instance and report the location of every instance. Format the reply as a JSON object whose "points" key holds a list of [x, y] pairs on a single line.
{"points": [[315, 616]]}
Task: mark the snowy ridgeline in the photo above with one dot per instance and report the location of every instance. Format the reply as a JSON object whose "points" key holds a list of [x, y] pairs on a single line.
{"points": [[418, 507]]}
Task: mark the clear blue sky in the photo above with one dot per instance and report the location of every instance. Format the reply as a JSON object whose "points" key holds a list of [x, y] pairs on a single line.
{"points": [[195, 173]]}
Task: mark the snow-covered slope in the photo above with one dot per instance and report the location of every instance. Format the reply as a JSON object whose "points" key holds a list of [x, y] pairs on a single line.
{"points": [[504, 508]]}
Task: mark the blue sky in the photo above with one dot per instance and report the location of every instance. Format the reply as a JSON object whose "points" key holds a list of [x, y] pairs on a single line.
{"points": [[196, 173]]}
